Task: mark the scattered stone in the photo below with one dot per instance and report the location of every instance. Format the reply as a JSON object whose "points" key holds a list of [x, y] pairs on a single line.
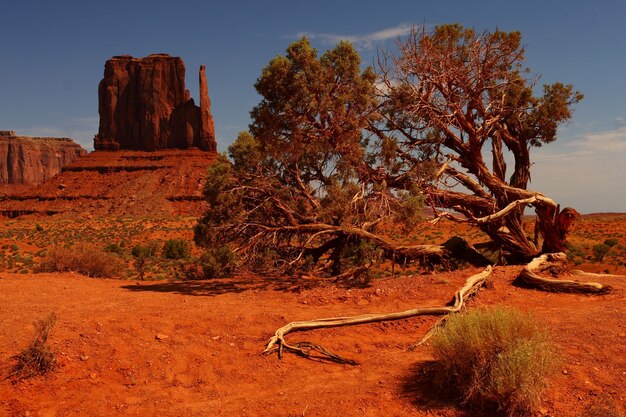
{"points": [[160, 337], [84, 357]]}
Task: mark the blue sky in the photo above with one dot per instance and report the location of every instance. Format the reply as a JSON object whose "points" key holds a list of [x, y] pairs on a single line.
{"points": [[53, 55]]}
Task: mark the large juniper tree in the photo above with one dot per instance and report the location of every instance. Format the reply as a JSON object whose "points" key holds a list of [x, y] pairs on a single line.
{"points": [[337, 155]]}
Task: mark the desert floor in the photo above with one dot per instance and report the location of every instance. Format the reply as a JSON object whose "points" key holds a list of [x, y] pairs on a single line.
{"points": [[167, 348]]}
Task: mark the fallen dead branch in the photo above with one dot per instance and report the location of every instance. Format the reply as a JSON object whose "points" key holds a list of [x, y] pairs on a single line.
{"points": [[277, 343], [554, 263]]}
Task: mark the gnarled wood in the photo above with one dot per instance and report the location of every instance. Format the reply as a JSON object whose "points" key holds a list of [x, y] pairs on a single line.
{"points": [[277, 342], [555, 263]]}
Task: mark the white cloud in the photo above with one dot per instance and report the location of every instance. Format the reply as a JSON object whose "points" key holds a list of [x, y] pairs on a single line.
{"points": [[365, 41], [586, 172]]}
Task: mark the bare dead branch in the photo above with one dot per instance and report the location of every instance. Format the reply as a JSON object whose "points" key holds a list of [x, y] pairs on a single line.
{"points": [[277, 343]]}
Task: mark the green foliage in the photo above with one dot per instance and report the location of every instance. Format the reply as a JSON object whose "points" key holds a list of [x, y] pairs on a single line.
{"points": [[83, 258], [37, 358], [148, 250], [176, 249], [496, 358], [306, 160], [39, 227], [600, 251], [218, 262], [611, 242], [114, 248]]}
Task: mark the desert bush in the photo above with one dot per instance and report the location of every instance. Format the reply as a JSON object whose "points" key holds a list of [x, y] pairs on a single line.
{"points": [[600, 250], [37, 358], [611, 242], [84, 259], [218, 262], [148, 250], [495, 358], [176, 249], [114, 248], [602, 407]]}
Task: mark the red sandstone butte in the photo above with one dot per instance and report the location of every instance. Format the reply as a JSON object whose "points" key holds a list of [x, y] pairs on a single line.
{"points": [[30, 161], [144, 105]]}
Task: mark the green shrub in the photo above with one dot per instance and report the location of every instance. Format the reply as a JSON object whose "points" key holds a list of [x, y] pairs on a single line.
{"points": [[495, 358], [176, 249], [218, 262], [611, 242], [600, 250], [37, 358], [114, 248], [148, 250], [84, 259]]}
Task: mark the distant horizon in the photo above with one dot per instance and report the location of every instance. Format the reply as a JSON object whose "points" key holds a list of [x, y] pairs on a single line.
{"points": [[55, 54]]}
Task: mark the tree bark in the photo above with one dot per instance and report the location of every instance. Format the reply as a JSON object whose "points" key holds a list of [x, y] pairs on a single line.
{"points": [[555, 264]]}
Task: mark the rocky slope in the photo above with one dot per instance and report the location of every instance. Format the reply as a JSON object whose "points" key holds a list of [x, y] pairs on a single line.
{"points": [[29, 160]]}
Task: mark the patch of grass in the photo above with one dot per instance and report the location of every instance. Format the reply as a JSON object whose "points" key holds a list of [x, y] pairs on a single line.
{"points": [[84, 259], [495, 358], [603, 407], [37, 358]]}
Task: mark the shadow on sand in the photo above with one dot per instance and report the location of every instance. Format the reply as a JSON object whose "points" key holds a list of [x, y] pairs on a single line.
{"points": [[418, 386], [238, 284]]}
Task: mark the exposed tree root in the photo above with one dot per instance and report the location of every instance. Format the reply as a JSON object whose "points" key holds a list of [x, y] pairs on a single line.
{"points": [[555, 264], [277, 342]]}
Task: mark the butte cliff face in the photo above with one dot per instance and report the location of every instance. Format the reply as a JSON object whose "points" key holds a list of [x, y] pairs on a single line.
{"points": [[144, 105], [27, 160]]}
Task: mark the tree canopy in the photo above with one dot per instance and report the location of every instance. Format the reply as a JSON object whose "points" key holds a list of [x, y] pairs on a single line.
{"points": [[337, 155]]}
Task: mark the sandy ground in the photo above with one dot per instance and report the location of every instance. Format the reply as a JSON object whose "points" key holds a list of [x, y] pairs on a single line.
{"points": [[193, 349]]}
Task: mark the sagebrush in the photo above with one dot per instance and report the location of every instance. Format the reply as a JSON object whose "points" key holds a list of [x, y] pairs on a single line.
{"points": [[38, 358], [85, 259], [495, 358]]}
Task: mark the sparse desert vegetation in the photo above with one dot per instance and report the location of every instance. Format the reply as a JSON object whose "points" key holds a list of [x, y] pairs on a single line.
{"points": [[371, 213]]}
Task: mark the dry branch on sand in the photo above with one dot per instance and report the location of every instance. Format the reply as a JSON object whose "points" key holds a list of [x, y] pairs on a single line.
{"points": [[277, 342], [555, 264], [529, 277]]}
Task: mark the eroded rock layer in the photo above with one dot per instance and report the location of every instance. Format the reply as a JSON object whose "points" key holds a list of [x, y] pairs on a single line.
{"points": [[29, 160], [144, 105], [119, 183]]}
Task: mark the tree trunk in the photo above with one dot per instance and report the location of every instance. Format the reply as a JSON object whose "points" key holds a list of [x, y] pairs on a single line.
{"points": [[554, 224]]}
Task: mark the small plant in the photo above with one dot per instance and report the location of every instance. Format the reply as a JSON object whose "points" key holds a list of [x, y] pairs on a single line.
{"points": [[219, 262], [611, 242], [176, 249], [600, 250], [39, 227], [603, 407], [145, 251], [38, 358], [495, 358], [84, 259], [114, 248]]}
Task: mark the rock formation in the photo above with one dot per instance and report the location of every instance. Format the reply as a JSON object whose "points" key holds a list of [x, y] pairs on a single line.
{"points": [[27, 160], [143, 105]]}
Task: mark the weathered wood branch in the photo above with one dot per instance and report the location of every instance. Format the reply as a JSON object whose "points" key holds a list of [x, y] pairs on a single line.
{"points": [[555, 264], [455, 247], [277, 343]]}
